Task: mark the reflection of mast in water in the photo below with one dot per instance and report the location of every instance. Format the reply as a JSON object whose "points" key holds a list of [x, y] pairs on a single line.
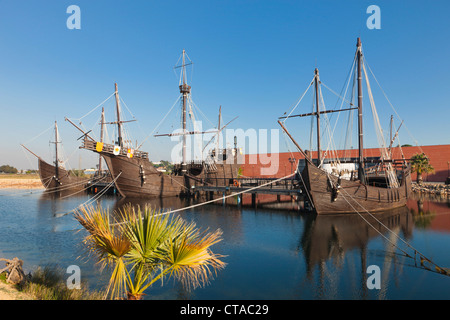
{"points": [[363, 256], [330, 237], [389, 256]]}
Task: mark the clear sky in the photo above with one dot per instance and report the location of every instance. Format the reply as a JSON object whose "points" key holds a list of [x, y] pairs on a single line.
{"points": [[254, 58]]}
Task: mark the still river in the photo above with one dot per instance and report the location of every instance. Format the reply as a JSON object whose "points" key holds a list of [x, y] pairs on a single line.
{"points": [[270, 254]]}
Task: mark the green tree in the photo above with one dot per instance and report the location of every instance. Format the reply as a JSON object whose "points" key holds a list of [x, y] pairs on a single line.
{"points": [[146, 246], [420, 164], [8, 169]]}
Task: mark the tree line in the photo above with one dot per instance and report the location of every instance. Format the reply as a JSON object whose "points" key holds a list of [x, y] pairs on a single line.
{"points": [[10, 169]]}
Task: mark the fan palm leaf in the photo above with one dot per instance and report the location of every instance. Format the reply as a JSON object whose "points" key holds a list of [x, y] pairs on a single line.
{"points": [[146, 246], [107, 243], [190, 259]]}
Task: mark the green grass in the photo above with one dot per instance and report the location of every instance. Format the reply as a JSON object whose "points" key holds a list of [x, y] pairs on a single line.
{"points": [[49, 283]]}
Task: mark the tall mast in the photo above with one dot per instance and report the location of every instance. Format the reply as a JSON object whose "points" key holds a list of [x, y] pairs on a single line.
{"points": [[218, 133], [119, 123], [390, 136], [316, 83], [360, 116], [102, 124], [56, 151], [185, 90]]}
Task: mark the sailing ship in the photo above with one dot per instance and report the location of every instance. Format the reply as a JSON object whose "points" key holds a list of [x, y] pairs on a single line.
{"points": [[101, 181], [135, 176], [341, 190], [55, 177]]}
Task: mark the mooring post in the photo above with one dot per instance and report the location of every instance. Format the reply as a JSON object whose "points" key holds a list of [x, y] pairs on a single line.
{"points": [[253, 200]]}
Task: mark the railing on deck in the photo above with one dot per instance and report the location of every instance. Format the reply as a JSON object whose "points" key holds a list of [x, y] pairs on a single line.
{"points": [[109, 148]]}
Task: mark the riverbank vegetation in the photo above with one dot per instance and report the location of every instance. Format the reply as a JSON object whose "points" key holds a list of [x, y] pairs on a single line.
{"points": [[46, 283], [144, 246]]}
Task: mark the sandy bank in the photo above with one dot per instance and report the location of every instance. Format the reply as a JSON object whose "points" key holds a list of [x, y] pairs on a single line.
{"points": [[11, 183]]}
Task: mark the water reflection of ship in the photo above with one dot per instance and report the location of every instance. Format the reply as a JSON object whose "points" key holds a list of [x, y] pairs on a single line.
{"points": [[75, 193], [211, 217], [159, 204], [331, 237], [51, 207]]}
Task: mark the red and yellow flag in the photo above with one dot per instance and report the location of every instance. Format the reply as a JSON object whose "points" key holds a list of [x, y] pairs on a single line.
{"points": [[130, 153]]}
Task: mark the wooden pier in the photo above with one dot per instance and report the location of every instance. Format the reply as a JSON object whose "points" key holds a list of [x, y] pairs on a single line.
{"points": [[101, 182], [98, 187], [288, 191]]}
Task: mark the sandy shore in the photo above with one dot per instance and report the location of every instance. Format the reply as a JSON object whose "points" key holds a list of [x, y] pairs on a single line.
{"points": [[11, 183], [9, 292]]}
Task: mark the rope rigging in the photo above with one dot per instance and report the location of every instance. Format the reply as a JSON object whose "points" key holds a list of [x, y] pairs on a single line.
{"points": [[94, 198], [329, 154]]}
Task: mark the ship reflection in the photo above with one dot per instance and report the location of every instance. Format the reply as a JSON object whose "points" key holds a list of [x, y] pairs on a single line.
{"points": [[158, 204], [328, 238]]}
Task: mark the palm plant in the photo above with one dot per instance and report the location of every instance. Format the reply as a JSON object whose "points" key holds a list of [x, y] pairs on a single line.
{"points": [[420, 164], [146, 246]]}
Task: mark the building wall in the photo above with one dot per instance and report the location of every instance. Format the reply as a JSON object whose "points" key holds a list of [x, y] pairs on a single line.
{"points": [[277, 165]]}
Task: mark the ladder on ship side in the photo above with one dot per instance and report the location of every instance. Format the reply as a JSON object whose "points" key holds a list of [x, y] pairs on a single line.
{"points": [[210, 166]]}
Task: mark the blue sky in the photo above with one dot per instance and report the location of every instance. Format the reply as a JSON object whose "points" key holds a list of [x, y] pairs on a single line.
{"points": [[254, 58]]}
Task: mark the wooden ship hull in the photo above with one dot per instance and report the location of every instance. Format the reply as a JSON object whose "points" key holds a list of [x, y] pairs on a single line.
{"points": [[330, 196], [63, 181], [136, 177], [55, 179]]}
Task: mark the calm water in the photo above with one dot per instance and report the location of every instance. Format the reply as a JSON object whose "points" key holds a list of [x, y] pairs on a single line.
{"points": [[270, 254]]}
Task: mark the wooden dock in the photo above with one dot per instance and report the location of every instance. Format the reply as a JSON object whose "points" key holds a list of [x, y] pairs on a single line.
{"points": [[100, 183], [288, 188]]}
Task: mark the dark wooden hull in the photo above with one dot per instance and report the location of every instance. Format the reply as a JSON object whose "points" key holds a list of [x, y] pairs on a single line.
{"points": [[352, 196], [138, 178], [64, 182]]}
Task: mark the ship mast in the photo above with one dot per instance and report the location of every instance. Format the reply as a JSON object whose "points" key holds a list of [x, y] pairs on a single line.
{"points": [[185, 90], [102, 124], [119, 123], [316, 84], [218, 134], [361, 175], [56, 152]]}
